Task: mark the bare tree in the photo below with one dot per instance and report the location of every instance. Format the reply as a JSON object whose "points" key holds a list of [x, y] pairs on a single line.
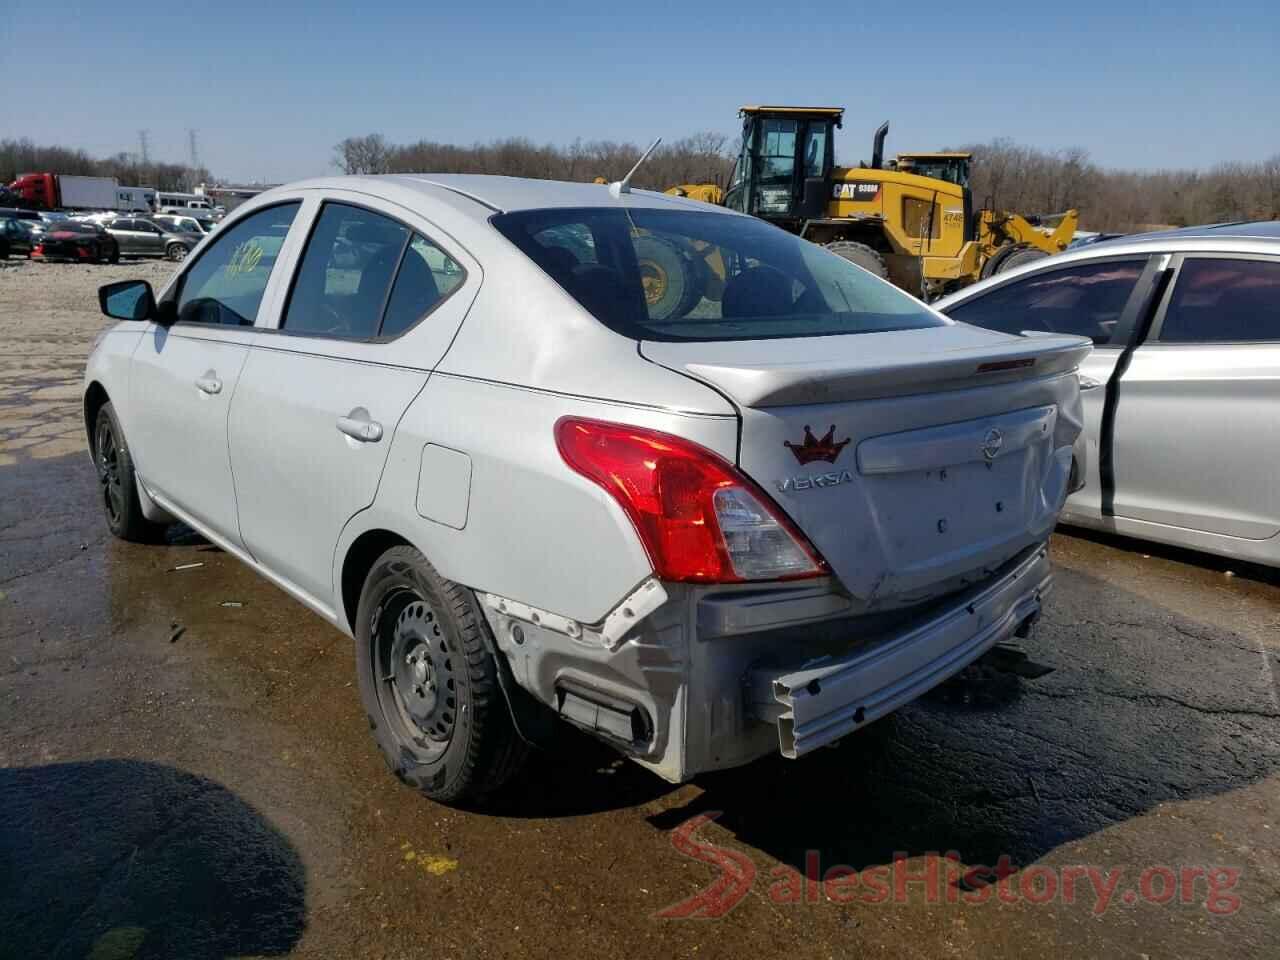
{"points": [[367, 154]]}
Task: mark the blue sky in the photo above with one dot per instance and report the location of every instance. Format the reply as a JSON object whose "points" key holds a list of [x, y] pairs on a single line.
{"points": [[271, 86]]}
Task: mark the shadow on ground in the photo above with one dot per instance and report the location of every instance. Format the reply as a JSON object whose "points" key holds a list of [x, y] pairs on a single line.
{"points": [[1143, 707], [118, 859]]}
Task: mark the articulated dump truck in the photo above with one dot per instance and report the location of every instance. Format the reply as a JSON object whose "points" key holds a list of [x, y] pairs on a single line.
{"points": [[911, 220]]}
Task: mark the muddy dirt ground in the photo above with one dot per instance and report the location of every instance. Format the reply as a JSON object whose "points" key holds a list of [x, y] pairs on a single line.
{"points": [[185, 769]]}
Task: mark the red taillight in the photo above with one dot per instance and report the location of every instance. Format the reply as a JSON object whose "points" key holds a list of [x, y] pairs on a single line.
{"points": [[697, 516], [38, 250]]}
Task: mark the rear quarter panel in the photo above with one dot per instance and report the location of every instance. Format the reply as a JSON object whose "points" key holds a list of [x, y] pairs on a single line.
{"points": [[529, 528]]}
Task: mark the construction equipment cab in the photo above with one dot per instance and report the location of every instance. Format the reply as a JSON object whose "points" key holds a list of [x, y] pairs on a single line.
{"points": [[910, 220]]}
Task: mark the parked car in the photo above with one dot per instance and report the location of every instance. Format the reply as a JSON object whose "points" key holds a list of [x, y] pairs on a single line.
{"points": [[175, 224], [77, 240], [143, 237], [751, 528], [16, 238], [1182, 392], [19, 213]]}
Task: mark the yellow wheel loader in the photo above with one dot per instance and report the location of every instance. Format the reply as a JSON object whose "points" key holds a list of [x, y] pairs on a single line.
{"points": [[910, 220]]}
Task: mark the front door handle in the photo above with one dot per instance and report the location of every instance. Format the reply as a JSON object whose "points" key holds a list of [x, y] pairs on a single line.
{"points": [[209, 383], [358, 425]]}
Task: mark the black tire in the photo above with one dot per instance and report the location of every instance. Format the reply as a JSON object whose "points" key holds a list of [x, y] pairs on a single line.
{"points": [[175, 252], [429, 682], [1018, 256], [115, 255], [119, 483], [860, 255], [672, 279]]}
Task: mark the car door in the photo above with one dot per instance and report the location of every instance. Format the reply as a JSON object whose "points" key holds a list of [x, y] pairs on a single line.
{"points": [[183, 377], [1198, 421], [318, 402], [150, 239], [124, 231], [1103, 299]]}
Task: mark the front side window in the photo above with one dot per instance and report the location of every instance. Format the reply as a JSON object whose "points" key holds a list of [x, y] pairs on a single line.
{"points": [[1217, 300], [681, 275], [225, 285], [364, 275], [1084, 300]]}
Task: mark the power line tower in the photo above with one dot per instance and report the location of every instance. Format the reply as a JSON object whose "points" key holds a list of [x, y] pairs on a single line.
{"points": [[144, 145], [191, 146]]}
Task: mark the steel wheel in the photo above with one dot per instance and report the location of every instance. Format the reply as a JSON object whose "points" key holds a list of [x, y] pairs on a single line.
{"points": [[109, 472], [417, 669]]}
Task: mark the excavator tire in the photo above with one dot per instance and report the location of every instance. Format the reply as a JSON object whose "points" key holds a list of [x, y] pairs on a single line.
{"points": [[672, 280], [1019, 256], [860, 255]]}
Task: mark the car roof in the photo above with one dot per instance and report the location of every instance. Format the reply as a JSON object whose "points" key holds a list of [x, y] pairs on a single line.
{"points": [[503, 194], [1240, 229]]}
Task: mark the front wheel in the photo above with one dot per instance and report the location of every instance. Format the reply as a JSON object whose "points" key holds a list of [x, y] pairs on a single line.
{"points": [[119, 483], [176, 252], [429, 682]]}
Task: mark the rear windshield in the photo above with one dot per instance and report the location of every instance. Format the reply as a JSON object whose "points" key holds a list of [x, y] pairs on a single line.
{"points": [[685, 275]]}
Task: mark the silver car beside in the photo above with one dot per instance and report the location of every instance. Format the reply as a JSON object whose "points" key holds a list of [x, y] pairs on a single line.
{"points": [[1182, 390], [460, 419]]}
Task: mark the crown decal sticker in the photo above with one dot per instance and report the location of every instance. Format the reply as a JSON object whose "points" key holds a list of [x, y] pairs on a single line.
{"points": [[814, 449]]}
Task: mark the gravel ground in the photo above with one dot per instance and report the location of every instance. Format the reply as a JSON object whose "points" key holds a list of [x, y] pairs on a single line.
{"points": [[49, 317], [185, 769]]}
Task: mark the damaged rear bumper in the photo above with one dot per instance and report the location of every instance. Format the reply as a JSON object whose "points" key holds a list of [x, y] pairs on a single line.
{"points": [[817, 703], [688, 678]]}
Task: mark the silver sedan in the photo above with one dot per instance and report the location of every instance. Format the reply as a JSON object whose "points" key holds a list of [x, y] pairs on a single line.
{"points": [[1182, 391], [547, 450]]}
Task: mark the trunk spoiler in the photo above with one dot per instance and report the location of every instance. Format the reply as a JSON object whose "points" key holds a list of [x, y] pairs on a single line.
{"points": [[831, 370]]}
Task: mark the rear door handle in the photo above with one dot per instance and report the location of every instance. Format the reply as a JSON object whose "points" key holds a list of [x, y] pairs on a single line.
{"points": [[360, 426], [209, 383]]}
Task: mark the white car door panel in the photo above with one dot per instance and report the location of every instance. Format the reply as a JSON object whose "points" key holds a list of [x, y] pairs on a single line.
{"points": [[181, 384], [183, 377], [309, 438], [371, 309], [1198, 419]]}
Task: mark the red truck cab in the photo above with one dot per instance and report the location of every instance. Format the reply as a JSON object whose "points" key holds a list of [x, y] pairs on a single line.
{"points": [[40, 190]]}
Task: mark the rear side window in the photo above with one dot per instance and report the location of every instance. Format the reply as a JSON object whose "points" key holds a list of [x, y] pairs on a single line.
{"points": [[1217, 300], [686, 275], [364, 276], [225, 286], [1085, 300]]}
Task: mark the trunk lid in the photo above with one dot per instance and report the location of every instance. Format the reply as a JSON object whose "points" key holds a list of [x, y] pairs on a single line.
{"points": [[917, 461]]}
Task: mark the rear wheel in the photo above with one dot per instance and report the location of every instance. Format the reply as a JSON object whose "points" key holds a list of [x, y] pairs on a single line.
{"points": [[429, 682], [119, 483], [672, 280], [176, 252], [861, 255]]}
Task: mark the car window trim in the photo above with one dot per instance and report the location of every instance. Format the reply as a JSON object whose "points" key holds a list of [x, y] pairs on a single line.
{"points": [[1157, 324], [377, 338], [175, 293]]}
